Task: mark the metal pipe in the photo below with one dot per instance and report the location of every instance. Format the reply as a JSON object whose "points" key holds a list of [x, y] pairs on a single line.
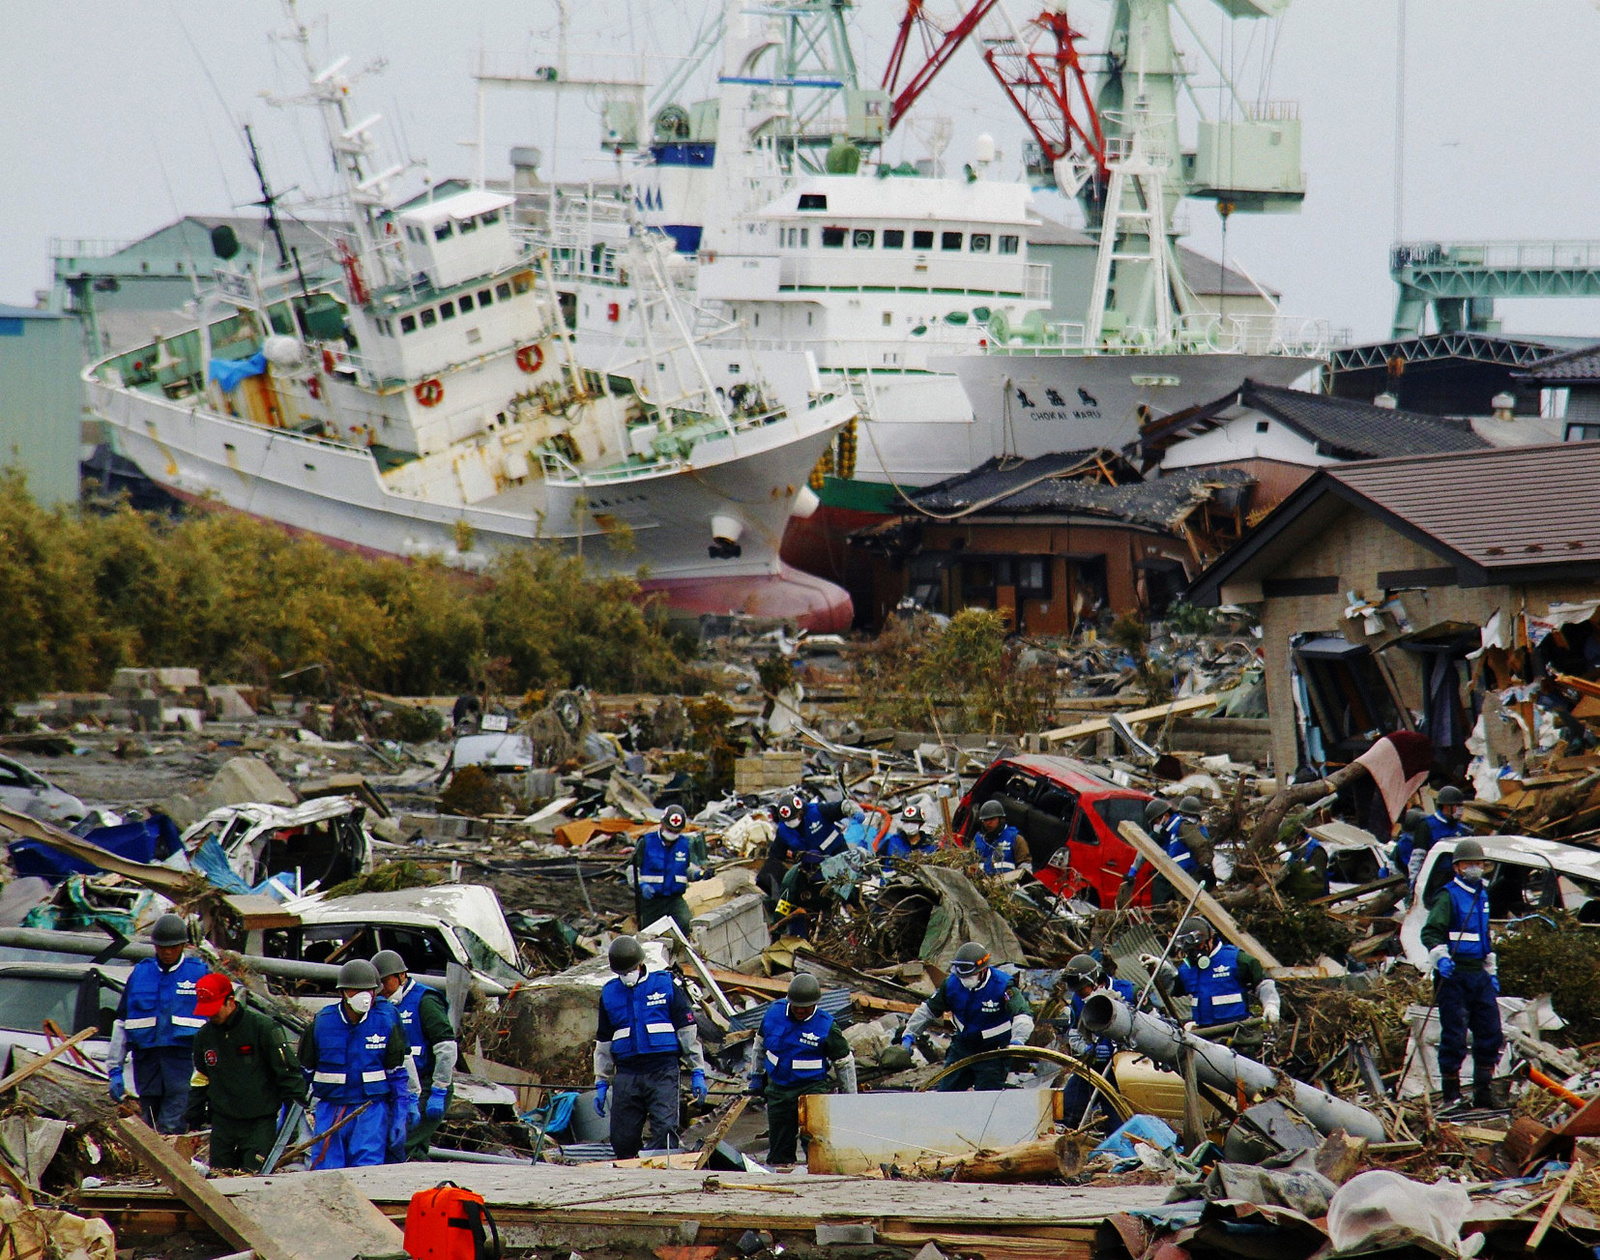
{"points": [[90, 945], [440, 1155], [1104, 1013]]}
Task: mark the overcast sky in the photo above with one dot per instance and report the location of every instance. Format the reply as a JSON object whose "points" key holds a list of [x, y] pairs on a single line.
{"points": [[121, 117]]}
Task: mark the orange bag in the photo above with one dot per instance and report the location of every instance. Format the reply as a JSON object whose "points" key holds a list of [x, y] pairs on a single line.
{"points": [[447, 1223]]}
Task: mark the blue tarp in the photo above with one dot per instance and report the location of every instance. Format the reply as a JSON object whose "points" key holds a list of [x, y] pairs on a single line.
{"points": [[210, 861], [144, 841], [229, 372], [1147, 1129]]}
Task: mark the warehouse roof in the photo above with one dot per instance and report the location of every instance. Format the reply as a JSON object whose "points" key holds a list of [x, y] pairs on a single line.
{"points": [[1505, 514], [1573, 367]]}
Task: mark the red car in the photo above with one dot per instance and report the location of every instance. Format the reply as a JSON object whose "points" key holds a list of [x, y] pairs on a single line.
{"points": [[1063, 803]]}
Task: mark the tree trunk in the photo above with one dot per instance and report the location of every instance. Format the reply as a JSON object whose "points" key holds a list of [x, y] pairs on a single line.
{"points": [[1265, 835]]}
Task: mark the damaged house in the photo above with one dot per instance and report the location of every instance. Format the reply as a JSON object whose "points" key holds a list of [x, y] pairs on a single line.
{"points": [[1054, 541], [1424, 593]]}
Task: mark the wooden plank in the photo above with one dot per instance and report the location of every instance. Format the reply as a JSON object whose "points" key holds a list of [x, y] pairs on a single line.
{"points": [[709, 1147], [1554, 1206], [60, 1048], [1205, 903], [1138, 717], [181, 1177], [174, 884]]}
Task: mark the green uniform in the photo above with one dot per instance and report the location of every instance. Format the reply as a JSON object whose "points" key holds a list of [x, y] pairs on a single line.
{"points": [[1306, 878], [244, 1071], [434, 1017]]}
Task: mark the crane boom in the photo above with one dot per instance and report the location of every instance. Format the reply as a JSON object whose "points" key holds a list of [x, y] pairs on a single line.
{"points": [[939, 46]]}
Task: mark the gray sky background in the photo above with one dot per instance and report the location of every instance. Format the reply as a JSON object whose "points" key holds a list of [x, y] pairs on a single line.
{"points": [[121, 117]]}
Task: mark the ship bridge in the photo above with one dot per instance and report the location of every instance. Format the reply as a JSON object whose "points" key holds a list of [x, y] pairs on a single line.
{"points": [[1462, 279]]}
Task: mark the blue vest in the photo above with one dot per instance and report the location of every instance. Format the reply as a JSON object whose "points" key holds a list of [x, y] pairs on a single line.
{"points": [[813, 832], [1104, 1045], [161, 1003], [1439, 828], [408, 1006], [641, 1017], [1313, 847], [663, 866], [794, 1048], [1178, 851], [349, 1066], [980, 1014], [1000, 854], [1216, 989], [1469, 920]]}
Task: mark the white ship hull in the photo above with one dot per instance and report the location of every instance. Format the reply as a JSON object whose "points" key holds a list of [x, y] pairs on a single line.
{"points": [[658, 528]]}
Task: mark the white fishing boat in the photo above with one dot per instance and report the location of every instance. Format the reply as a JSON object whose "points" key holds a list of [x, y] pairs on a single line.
{"points": [[435, 407]]}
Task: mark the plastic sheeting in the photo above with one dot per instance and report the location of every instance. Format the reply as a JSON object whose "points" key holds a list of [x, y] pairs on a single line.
{"points": [[142, 841], [229, 372], [1382, 1211]]}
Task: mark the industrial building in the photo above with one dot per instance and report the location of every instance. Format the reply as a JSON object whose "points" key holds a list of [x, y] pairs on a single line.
{"points": [[41, 402]]}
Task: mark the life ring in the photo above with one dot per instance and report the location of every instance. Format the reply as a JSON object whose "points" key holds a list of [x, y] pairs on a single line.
{"points": [[430, 393], [530, 358]]}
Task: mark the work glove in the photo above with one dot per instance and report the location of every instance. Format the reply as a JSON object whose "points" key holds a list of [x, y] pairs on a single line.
{"points": [[1446, 967], [119, 1091], [601, 1089], [1491, 964], [1151, 961], [758, 1084], [697, 1085], [1271, 1012], [852, 809], [413, 1111], [908, 1041], [435, 1108]]}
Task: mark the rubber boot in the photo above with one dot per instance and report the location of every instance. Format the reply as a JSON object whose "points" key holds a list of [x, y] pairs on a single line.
{"points": [[1482, 1094], [1449, 1090]]}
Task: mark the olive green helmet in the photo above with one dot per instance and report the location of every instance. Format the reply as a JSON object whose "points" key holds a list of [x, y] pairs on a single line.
{"points": [[625, 955], [358, 973], [804, 990]]}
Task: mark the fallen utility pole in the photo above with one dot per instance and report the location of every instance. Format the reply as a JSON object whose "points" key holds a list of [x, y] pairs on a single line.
{"points": [[1105, 1013], [1093, 726], [92, 946]]}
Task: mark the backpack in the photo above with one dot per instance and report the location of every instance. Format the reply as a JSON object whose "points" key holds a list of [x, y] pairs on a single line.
{"points": [[447, 1223]]}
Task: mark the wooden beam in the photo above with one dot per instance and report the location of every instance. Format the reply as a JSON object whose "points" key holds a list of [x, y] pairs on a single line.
{"points": [[1093, 726], [60, 1048], [174, 884], [708, 1148], [209, 1203], [1204, 903]]}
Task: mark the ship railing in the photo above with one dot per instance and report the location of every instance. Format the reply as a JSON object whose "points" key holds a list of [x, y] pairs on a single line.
{"points": [[1497, 255], [86, 247], [1203, 332]]}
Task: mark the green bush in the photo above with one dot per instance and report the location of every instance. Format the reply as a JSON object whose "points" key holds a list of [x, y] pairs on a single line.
{"points": [[83, 594]]}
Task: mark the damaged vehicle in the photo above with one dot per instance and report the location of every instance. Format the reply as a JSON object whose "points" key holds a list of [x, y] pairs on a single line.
{"points": [[431, 928], [1525, 875], [320, 842], [31, 793], [42, 1003]]}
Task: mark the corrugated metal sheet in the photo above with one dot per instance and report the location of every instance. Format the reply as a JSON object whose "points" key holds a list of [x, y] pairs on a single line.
{"points": [[834, 1001], [1515, 507]]}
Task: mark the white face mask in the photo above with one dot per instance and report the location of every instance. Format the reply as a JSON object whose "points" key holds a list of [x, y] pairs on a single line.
{"points": [[1472, 874], [360, 1003], [973, 981], [632, 978]]}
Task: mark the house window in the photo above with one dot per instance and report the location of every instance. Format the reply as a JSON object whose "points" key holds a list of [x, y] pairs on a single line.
{"points": [[894, 238], [502, 292], [447, 310], [408, 323], [980, 242], [950, 240], [863, 238], [805, 238], [464, 302], [888, 318], [833, 238], [443, 232], [813, 201], [485, 298], [1008, 244], [922, 240], [429, 319], [490, 217], [1583, 432], [1033, 577], [1263, 426]]}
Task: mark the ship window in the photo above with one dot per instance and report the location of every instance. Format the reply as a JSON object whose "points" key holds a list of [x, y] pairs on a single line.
{"points": [[522, 281], [502, 292], [922, 240], [813, 201], [888, 318], [408, 323], [950, 240], [863, 238], [1008, 244], [464, 302], [468, 225], [485, 298], [894, 238], [491, 217], [443, 232], [447, 310], [429, 319], [805, 238], [980, 243], [832, 238]]}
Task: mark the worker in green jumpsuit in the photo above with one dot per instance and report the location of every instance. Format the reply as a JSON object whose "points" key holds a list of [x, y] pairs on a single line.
{"points": [[796, 1043], [244, 1071]]}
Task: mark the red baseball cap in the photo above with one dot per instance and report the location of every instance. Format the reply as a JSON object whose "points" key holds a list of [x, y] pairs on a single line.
{"points": [[211, 992]]}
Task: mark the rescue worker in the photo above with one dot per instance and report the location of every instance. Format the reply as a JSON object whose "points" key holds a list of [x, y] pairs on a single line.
{"points": [[792, 1051], [1465, 985], [910, 833], [1085, 974], [1219, 979], [1000, 845], [645, 1024], [1443, 824], [359, 1063], [244, 1072], [663, 870], [802, 897], [1160, 821], [803, 830], [1401, 853], [156, 1020], [1305, 874], [989, 1011], [425, 1017]]}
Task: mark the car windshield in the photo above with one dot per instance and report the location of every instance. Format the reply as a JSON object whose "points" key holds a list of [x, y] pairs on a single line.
{"points": [[1120, 809], [26, 1002]]}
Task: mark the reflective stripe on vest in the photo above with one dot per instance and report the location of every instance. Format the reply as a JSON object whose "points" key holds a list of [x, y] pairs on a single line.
{"points": [[977, 1011], [794, 1047], [640, 1017]]}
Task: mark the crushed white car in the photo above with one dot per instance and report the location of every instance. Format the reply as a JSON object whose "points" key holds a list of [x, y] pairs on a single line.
{"points": [[320, 842]]}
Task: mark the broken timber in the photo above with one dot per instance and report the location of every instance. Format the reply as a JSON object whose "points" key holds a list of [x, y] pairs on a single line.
{"points": [[1138, 717], [1205, 903]]}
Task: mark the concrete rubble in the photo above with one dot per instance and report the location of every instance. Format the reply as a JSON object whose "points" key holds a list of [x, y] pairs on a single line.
{"points": [[297, 831]]}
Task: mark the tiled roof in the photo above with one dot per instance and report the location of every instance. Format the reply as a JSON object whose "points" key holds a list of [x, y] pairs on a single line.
{"points": [[1574, 365]]}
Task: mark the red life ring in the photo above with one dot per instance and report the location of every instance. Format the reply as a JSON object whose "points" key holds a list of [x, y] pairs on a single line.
{"points": [[530, 358], [430, 393]]}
